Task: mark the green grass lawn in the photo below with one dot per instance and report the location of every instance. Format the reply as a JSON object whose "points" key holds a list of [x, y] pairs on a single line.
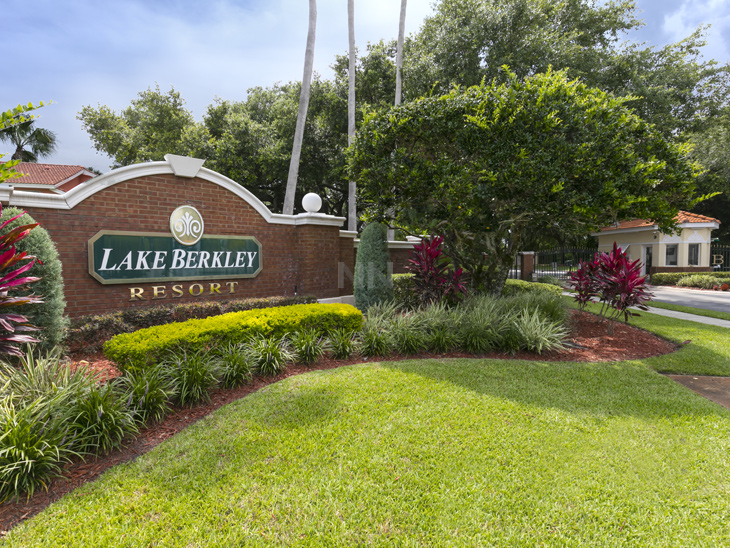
{"points": [[451, 452]]}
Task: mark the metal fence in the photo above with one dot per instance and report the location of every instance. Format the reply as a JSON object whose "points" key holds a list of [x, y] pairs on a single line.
{"points": [[720, 257], [559, 262]]}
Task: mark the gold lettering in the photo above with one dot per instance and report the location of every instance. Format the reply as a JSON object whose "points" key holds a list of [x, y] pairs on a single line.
{"points": [[177, 291], [232, 286], [215, 288], [158, 292], [136, 293], [200, 290], [717, 259]]}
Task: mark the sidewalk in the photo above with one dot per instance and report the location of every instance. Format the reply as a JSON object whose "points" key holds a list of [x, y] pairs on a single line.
{"points": [[690, 317]]}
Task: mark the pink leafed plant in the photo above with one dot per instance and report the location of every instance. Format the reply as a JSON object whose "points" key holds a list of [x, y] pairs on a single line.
{"points": [[14, 326], [614, 281], [434, 281]]}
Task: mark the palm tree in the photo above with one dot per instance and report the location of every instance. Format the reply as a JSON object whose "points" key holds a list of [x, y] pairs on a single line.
{"points": [[30, 142], [291, 182], [352, 187], [399, 53]]}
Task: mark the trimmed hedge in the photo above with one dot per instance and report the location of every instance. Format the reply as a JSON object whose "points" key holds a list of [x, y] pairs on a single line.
{"points": [[89, 333], [515, 287], [404, 295], [672, 278], [148, 346], [700, 281]]}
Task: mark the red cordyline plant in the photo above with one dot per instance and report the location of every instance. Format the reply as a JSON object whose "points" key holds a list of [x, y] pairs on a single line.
{"points": [[434, 280], [13, 326], [614, 281]]}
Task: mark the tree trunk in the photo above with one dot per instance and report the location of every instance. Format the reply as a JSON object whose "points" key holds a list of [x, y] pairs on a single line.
{"points": [[352, 187], [291, 182]]}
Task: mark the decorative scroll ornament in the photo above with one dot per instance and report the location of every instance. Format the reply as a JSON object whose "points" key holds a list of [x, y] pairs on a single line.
{"points": [[186, 225]]}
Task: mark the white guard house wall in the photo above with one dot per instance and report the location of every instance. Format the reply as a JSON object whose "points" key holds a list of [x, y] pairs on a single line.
{"points": [[303, 254], [642, 240]]}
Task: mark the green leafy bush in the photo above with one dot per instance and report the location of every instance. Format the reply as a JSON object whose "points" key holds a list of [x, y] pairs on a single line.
{"points": [[99, 419], [269, 354], [513, 287], [404, 294], [32, 448], [193, 374], [373, 283], [48, 315], [89, 333], [147, 346], [700, 281]]}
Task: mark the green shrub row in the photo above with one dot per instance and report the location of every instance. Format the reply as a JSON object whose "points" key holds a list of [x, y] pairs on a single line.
{"points": [[701, 281], [673, 278], [89, 333], [515, 287], [405, 298], [147, 346]]}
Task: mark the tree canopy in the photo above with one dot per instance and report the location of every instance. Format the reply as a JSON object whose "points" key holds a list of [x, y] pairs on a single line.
{"points": [[466, 41], [487, 165]]}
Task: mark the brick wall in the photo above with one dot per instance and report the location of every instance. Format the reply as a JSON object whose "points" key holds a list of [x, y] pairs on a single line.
{"points": [[304, 258]]}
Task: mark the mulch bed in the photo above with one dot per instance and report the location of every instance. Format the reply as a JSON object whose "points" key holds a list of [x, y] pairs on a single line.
{"points": [[590, 342]]}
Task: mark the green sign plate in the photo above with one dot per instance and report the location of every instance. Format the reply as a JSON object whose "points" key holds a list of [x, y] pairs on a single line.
{"points": [[128, 257]]}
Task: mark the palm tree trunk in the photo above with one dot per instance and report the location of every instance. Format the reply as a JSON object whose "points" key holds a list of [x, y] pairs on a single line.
{"points": [[399, 53], [352, 187], [291, 182], [398, 75]]}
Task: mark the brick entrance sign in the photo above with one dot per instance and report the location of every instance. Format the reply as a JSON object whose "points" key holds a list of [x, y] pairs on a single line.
{"points": [[121, 246]]}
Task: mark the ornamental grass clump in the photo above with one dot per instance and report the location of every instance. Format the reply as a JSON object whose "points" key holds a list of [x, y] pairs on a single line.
{"points": [[234, 365], [309, 345], [32, 448], [99, 419], [42, 377], [538, 334], [147, 393], [408, 333], [269, 354], [193, 374], [343, 343]]}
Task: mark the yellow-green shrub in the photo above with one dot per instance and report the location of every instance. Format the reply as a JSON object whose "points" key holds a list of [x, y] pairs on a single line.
{"points": [[147, 346], [515, 287]]}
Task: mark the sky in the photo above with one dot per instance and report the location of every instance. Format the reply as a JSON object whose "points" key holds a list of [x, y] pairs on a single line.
{"points": [[90, 52]]}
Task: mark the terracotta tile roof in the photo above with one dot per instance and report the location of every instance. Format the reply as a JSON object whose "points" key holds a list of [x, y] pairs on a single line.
{"points": [[45, 174], [682, 218]]}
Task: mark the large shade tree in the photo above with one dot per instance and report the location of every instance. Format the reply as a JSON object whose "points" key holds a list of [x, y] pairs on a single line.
{"points": [[488, 165], [465, 41]]}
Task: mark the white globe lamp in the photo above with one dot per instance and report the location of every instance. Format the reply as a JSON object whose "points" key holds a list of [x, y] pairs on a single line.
{"points": [[311, 203]]}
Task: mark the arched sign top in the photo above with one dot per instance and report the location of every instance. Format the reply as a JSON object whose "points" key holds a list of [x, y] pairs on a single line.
{"points": [[174, 165]]}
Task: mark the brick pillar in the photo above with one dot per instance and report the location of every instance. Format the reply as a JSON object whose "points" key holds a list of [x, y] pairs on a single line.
{"points": [[528, 265]]}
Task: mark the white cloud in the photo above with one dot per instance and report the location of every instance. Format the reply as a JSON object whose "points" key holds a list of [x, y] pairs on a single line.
{"points": [[693, 13], [88, 52]]}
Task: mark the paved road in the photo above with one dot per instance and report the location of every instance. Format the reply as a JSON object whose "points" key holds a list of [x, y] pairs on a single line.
{"points": [[709, 300]]}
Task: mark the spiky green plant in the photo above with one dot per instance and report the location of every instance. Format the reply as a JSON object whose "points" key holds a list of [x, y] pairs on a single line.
{"points": [[193, 375], [343, 343], [308, 345], [147, 392], [269, 354], [234, 365]]}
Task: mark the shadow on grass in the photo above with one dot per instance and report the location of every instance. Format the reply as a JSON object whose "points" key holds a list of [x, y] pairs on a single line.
{"points": [[595, 389]]}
